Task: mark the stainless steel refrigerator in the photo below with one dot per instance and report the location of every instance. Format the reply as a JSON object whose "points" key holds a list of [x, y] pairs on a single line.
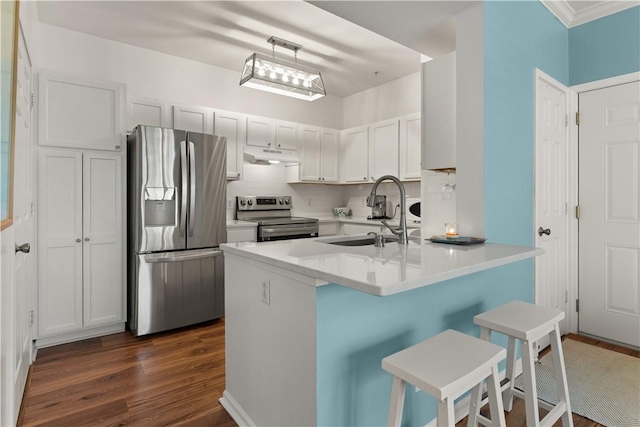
{"points": [[176, 223]]}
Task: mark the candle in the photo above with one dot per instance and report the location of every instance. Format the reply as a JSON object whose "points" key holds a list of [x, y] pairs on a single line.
{"points": [[451, 229]]}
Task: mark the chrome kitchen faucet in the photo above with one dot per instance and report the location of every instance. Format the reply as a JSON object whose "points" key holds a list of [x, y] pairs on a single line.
{"points": [[400, 231]]}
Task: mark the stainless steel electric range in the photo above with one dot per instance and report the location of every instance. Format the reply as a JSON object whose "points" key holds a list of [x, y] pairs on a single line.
{"points": [[273, 215]]}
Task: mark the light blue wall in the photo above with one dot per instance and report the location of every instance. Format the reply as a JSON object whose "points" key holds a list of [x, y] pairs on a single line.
{"points": [[355, 331], [604, 48], [519, 36]]}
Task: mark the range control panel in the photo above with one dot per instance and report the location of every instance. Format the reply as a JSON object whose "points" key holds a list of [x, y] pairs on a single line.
{"points": [[262, 203]]}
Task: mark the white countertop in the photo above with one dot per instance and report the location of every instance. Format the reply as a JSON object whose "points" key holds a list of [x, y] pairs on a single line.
{"points": [[234, 223], [380, 271]]}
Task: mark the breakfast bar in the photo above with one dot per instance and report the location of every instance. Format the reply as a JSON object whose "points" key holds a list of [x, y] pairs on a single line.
{"points": [[308, 321]]}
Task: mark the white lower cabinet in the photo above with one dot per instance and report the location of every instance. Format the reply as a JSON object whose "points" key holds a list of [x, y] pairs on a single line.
{"points": [[80, 257]]}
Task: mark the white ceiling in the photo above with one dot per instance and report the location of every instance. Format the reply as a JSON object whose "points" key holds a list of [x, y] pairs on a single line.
{"points": [[225, 33]]}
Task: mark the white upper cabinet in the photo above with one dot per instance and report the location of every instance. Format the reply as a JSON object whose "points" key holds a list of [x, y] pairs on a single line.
{"points": [[439, 113], [355, 154], [147, 112], [410, 144], [77, 112], [330, 139], [286, 137], [383, 149], [275, 134], [232, 126], [319, 154], [369, 152], [260, 131], [193, 119]]}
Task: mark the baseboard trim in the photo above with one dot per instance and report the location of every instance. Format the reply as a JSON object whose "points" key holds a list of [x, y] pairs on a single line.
{"points": [[235, 410], [79, 335], [461, 407]]}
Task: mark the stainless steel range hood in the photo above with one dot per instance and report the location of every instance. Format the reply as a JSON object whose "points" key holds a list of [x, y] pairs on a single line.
{"points": [[269, 156]]}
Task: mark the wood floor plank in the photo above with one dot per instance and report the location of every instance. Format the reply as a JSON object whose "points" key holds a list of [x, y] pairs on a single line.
{"points": [[172, 378]]}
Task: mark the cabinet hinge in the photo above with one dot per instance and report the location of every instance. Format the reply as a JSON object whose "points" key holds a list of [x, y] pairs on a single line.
{"points": [[578, 212], [32, 317], [32, 102], [578, 118], [566, 120], [577, 305], [566, 297]]}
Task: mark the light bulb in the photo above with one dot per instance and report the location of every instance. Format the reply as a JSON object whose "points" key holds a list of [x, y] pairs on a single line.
{"points": [[261, 72], [273, 75], [285, 78], [296, 81]]}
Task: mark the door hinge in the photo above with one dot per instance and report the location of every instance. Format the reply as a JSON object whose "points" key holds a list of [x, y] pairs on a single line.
{"points": [[32, 101], [578, 118], [578, 212], [32, 317], [577, 305]]}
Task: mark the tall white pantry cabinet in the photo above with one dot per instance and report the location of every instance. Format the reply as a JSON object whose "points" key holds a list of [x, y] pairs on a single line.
{"points": [[81, 282]]}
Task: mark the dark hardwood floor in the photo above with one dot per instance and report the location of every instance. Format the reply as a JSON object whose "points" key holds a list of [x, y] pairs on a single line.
{"points": [[173, 378]]}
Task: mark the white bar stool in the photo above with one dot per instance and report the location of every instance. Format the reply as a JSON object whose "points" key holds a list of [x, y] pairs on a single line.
{"points": [[528, 323], [446, 366]]}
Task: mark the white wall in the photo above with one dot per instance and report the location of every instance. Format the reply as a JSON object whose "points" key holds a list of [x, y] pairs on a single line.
{"points": [[175, 80], [396, 98], [470, 120]]}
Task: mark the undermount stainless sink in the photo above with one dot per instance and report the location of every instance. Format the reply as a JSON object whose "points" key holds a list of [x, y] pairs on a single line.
{"points": [[359, 241]]}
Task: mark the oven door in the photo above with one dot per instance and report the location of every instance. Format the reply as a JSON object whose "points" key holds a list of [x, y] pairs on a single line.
{"points": [[287, 231]]}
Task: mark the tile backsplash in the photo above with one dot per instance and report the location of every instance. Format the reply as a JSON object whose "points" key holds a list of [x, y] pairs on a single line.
{"points": [[319, 200]]}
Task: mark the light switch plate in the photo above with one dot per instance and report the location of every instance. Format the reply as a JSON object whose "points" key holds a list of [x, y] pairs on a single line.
{"points": [[266, 291]]}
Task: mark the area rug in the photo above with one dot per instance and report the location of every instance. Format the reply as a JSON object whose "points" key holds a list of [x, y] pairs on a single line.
{"points": [[604, 386]]}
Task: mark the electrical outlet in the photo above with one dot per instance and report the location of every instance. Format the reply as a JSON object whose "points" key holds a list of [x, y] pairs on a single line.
{"points": [[364, 202], [266, 291], [308, 202], [230, 203]]}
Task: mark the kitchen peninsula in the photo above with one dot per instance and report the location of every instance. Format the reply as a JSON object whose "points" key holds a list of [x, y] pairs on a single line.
{"points": [[308, 322]]}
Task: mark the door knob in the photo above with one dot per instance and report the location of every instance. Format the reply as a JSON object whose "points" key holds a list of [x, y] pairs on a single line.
{"points": [[78, 240], [86, 239], [26, 248], [542, 231]]}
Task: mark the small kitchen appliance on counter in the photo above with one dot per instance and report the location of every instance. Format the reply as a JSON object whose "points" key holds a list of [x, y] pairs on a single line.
{"points": [[379, 209], [273, 215]]}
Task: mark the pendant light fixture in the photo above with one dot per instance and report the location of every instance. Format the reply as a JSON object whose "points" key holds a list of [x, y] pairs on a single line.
{"points": [[282, 77]]}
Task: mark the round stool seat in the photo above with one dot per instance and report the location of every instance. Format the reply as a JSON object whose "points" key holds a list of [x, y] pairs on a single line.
{"points": [[446, 366]]}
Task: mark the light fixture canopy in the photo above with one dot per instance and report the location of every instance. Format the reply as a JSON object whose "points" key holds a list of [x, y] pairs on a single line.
{"points": [[282, 77]]}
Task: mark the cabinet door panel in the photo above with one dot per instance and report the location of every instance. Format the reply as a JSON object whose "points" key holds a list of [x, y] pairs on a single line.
{"points": [[193, 119], [355, 154], [286, 136], [66, 121], [310, 161], [231, 126], [102, 244], [59, 244], [330, 155], [260, 132], [146, 112], [383, 149], [410, 146]]}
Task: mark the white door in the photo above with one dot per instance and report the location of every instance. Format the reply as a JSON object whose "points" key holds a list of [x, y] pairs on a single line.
{"points": [[232, 126], [102, 239], [59, 241], [311, 154], [22, 225], [609, 197], [193, 119], [383, 149], [410, 146], [355, 154], [551, 196], [260, 131], [330, 148], [286, 137]]}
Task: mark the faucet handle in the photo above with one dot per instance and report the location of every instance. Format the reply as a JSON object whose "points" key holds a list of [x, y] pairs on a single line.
{"points": [[379, 239]]}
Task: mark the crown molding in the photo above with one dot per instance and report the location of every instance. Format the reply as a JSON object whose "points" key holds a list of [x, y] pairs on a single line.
{"points": [[565, 13]]}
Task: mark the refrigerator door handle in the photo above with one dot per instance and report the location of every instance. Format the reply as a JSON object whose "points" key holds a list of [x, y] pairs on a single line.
{"points": [[192, 183], [181, 256], [183, 179]]}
